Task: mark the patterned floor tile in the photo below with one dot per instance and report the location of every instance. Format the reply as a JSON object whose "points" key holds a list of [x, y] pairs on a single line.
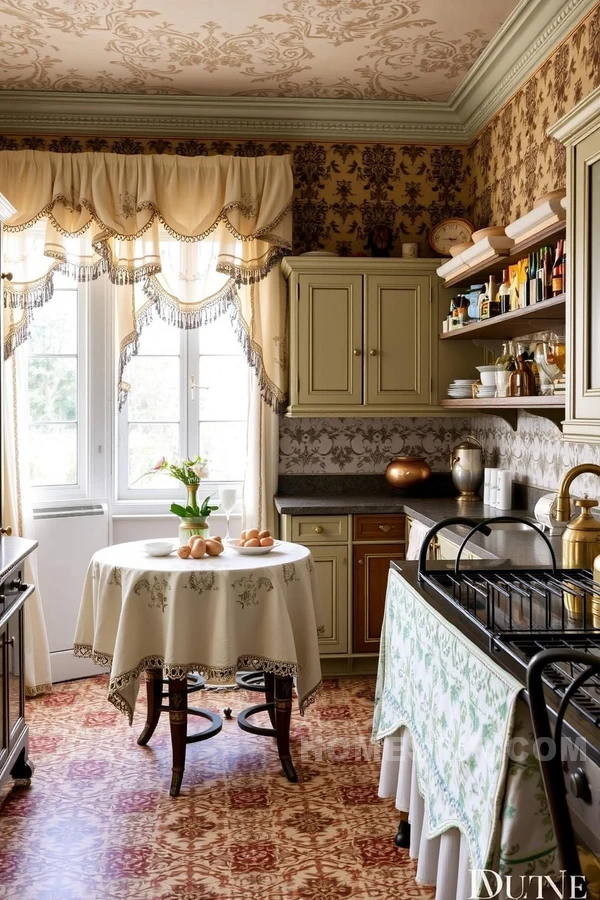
{"points": [[98, 823]]}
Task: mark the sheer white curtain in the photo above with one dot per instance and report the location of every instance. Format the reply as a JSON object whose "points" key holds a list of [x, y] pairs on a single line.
{"points": [[18, 512]]}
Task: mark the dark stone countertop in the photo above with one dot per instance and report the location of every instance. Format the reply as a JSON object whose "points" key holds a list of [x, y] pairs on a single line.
{"points": [[13, 550], [516, 548]]}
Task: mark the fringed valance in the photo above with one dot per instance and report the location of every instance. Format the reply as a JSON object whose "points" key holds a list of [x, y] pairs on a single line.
{"points": [[127, 216]]}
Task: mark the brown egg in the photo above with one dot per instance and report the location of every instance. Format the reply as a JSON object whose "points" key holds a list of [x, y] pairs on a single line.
{"points": [[184, 552], [264, 534], [213, 548], [266, 542], [219, 539], [253, 533], [198, 548], [253, 542], [243, 536], [194, 538]]}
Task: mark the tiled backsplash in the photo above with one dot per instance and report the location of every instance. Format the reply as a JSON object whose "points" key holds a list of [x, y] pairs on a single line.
{"points": [[365, 446], [535, 452]]}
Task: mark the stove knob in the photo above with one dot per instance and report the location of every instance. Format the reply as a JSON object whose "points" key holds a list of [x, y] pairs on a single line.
{"points": [[579, 786]]}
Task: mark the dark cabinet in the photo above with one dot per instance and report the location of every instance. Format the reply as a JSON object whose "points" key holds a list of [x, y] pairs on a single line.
{"points": [[14, 733], [373, 550]]}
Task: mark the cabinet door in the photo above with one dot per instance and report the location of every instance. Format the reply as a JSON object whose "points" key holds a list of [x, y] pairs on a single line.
{"points": [[398, 339], [584, 357], [14, 671], [3, 696], [331, 569], [371, 569], [330, 344]]}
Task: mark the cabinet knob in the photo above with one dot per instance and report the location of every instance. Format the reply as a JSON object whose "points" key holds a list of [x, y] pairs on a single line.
{"points": [[7, 642], [361, 562], [384, 527], [7, 531], [356, 351], [373, 352], [7, 275], [318, 529]]}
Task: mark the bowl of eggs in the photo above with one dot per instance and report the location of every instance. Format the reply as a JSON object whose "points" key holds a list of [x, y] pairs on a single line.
{"points": [[253, 542]]}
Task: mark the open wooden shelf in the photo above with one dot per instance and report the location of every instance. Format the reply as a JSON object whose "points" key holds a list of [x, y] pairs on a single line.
{"points": [[555, 401], [495, 264], [541, 316]]}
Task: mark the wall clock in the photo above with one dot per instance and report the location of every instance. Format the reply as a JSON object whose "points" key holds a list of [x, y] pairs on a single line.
{"points": [[449, 232]]}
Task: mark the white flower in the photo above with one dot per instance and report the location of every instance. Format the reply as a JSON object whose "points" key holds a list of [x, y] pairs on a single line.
{"points": [[199, 469]]}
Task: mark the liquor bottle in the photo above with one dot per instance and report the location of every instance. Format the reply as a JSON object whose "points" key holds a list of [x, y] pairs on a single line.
{"points": [[532, 272], [540, 274], [557, 270], [547, 273], [504, 293]]}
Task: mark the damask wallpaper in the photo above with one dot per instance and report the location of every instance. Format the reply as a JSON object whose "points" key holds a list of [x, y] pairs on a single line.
{"points": [[365, 446], [512, 159], [341, 190]]}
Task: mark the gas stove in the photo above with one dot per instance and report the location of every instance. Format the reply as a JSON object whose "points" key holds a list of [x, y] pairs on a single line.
{"points": [[519, 612]]}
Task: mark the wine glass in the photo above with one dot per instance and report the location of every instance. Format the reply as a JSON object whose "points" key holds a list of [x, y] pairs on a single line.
{"points": [[227, 496]]}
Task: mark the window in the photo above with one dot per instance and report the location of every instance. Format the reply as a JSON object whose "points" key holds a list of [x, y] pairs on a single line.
{"points": [[57, 385], [188, 396]]}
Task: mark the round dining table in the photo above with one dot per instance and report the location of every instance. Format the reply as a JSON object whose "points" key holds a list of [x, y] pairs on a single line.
{"points": [[216, 616]]}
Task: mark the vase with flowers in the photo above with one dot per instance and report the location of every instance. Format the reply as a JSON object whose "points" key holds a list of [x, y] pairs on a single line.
{"points": [[192, 517]]}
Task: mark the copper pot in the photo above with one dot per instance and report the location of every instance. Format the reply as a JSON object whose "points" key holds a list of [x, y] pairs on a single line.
{"points": [[403, 471]]}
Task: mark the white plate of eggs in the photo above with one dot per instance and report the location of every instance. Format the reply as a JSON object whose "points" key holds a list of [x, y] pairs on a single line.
{"points": [[253, 542]]}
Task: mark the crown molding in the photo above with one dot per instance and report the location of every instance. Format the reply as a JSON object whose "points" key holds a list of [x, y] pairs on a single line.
{"points": [[580, 121], [151, 115], [532, 31]]}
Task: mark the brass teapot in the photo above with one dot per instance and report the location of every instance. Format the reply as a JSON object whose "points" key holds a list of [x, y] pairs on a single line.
{"points": [[581, 537]]}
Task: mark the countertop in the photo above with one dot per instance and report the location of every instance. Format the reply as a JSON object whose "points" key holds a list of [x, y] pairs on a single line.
{"points": [[13, 550], [514, 548]]}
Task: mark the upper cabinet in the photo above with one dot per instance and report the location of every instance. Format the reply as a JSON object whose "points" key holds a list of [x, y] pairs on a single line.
{"points": [[580, 131], [363, 337]]}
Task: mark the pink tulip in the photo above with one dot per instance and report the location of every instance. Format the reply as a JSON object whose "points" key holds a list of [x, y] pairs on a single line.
{"points": [[159, 463]]}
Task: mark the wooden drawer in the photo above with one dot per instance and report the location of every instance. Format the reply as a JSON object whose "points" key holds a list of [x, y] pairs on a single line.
{"points": [[319, 529], [379, 528]]}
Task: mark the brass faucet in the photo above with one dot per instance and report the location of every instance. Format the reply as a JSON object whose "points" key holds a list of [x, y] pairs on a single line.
{"points": [[563, 503]]}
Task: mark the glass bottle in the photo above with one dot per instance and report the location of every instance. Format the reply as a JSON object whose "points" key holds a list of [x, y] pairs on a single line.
{"points": [[503, 359], [504, 293], [557, 270], [547, 273], [522, 382]]}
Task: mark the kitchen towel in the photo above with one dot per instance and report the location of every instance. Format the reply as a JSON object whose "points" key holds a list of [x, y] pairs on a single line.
{"points": [[417, 535]]}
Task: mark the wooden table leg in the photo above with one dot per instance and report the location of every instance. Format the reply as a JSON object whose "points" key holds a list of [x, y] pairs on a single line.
{"points": [[154, 696], [178, 725], [269, 680], [283, 715]]}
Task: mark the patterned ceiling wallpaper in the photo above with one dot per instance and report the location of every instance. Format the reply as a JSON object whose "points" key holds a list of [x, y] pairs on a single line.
{"points": [[512, 159], [359, 49], [341, 190]]}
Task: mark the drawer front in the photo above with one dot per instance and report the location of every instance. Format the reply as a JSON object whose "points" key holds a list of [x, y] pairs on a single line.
{"points": [[319, 529], [379, 528]]}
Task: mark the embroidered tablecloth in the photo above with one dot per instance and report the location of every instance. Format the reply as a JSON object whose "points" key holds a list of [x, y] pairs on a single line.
{"points": [[471, 734], [215, 615]]}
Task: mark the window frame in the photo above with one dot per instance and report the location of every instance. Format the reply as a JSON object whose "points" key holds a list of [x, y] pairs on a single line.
{"points": [[53, 495], [148, 501]]}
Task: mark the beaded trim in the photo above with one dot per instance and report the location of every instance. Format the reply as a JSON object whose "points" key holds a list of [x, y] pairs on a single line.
{"points": [[224, 674]]}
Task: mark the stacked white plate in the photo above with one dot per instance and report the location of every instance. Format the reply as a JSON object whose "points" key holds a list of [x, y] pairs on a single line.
{"points": [[461, 388], [486, 391]]}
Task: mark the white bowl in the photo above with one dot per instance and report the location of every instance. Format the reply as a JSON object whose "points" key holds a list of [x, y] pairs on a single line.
{"points": [[488, 374], [252, 551], [158, 548]]}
